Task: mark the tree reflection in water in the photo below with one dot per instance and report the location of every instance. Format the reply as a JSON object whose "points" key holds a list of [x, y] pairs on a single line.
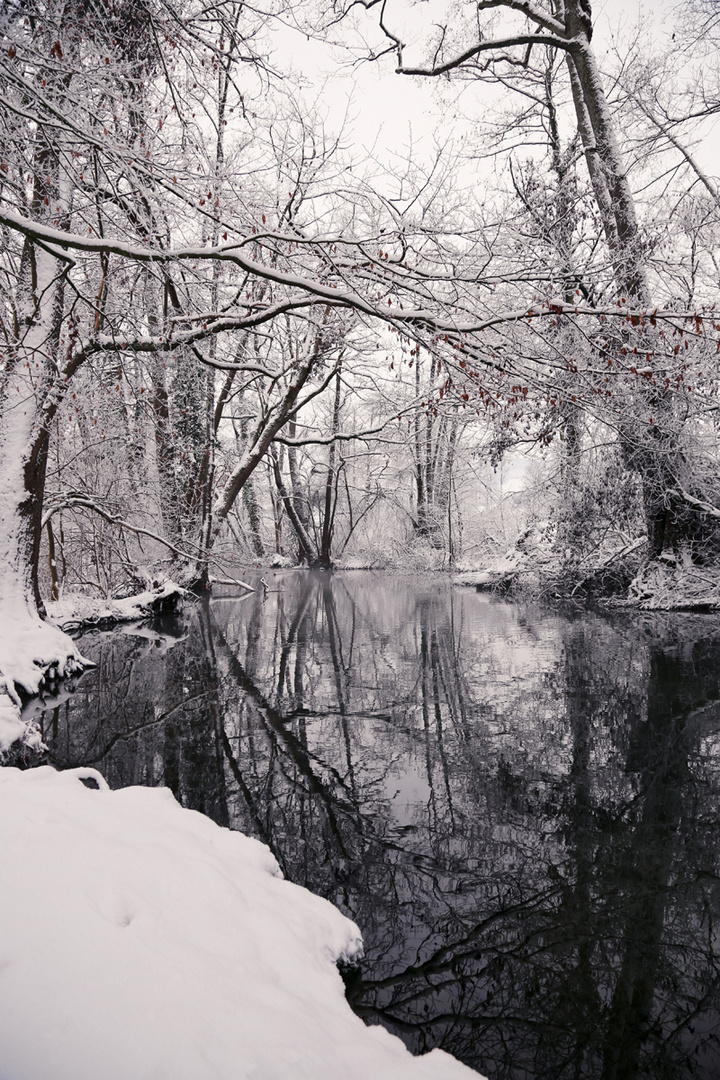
{"points": [[518, 807]]}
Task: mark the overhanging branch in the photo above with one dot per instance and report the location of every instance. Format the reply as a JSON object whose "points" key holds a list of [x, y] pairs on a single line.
{"points": [[83, 502]]}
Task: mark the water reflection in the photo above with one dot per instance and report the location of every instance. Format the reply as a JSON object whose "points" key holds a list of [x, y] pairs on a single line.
{"points": [[518, 807]]}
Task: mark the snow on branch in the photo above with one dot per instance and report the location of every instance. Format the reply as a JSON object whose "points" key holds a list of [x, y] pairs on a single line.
{"points": [[78, 501], [531, 11], [492, 45]]}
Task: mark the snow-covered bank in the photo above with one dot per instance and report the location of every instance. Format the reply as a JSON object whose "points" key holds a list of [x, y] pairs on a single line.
{"points": [[33, 653], [669, 584], [538, 567], [75, 610], [139, 940]]}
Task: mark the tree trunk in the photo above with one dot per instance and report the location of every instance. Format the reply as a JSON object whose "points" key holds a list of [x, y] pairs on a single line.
{"points": [[252, 509], [655, 452], [266, 430], [29, 396], [325, 557], [604, 161], [304, 541], [420, 472], [299, 497]]}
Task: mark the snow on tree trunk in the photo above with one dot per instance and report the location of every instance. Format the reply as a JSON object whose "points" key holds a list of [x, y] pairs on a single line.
{"points": [[31, 650]]}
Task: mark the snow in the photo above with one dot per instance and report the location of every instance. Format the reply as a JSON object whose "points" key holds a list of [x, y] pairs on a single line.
{"points": [[29, 649], [33, 650], [11, 726], [75, 609], [140, 940]]}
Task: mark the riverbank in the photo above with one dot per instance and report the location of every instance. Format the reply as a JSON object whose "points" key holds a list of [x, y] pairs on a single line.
{"points": [[144, 940], [37, 655], [458, 774]]}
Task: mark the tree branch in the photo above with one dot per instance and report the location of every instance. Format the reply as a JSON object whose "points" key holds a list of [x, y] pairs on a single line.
{"points": [[85, 503], [494, 45]]}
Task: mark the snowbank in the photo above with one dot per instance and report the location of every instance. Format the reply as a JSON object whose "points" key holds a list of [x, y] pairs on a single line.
{"points": [[36, 653], [75, 610], [32, 653], [140, 940], [668, 584], [11, 726], [31, 650]]}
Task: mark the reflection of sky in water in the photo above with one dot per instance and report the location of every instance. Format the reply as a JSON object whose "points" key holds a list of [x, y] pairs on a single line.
{"points": [[517, 806], [407, 789]]}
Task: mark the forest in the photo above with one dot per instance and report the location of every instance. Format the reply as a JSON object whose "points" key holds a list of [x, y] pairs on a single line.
{"points": [[360, 357], [234, 336]]}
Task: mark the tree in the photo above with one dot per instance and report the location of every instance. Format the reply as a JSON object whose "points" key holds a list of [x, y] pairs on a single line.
{"points": [[113, 211], [164, 244], [87, 95], [497, 41]]}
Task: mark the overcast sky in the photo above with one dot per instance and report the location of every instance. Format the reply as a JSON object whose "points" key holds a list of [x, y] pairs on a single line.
{"points": [[387, 111]]}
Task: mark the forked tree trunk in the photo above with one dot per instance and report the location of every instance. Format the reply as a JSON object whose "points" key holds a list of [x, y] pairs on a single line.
{"points": [[299, 494], [306, 545], [606, 168]]}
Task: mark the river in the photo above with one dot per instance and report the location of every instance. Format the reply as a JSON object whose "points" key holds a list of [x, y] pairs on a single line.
{"points": [[519, 806]]}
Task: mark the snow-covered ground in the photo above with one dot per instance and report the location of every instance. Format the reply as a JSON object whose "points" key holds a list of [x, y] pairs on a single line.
{"points": [[139, 940], [33, 650]]}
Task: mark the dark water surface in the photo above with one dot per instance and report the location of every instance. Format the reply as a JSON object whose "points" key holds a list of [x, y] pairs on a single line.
{"points": [[518, 807]]}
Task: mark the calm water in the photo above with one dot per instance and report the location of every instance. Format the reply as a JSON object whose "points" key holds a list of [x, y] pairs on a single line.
{"points": [[518, 807]]}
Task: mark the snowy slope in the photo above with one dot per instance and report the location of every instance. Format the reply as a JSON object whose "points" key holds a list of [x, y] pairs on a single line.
{"points": [[140, 940]]}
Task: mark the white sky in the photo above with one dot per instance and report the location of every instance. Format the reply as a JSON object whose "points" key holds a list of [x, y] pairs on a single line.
{"points": [[387, 111]]}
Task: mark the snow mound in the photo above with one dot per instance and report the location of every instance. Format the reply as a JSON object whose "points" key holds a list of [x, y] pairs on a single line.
{"points": [[78, 610], [11, 726], [31, 649], [280, 562], [33, 653], [36, 653], [139, 940]]}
